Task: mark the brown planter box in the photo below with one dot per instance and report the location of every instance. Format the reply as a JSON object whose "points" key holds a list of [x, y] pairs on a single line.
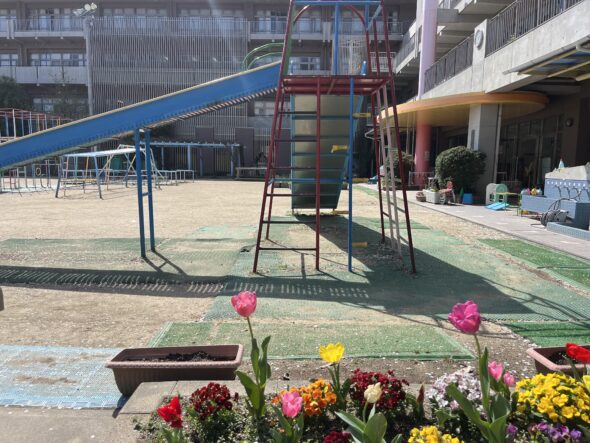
{"points": [[544, 365], [130, 373]]}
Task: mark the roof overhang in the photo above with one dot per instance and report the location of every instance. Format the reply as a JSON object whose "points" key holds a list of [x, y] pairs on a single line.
{"points": [[571, 61], [453, 110]]}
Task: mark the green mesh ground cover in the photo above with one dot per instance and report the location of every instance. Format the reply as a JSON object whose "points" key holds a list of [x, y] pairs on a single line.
{"points": [[570, 268], [175, 259], [553, 334], [449, 271], [302, 341]]}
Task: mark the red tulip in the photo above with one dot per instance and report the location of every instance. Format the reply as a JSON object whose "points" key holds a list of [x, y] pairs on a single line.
{"points": [[577, 353], [244, 303], [172, 413], [465, 317]]}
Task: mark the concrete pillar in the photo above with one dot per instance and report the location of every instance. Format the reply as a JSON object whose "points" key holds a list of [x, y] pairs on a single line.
{"points": [[483, 135], [427, 57]]}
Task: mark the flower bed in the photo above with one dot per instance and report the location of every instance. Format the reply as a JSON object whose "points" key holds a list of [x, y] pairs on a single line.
{"points": [[469, 405]]}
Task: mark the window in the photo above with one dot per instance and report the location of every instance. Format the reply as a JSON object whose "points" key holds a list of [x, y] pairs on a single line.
{"points": [[264, 108], [44, 104], [57, 59], [69, 107], [5, 16], [9, 59], [304, 64], [53, 19], [272, 22]]}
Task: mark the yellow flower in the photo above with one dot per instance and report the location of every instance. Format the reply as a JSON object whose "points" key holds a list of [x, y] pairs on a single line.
{"points": [[332, 353]]}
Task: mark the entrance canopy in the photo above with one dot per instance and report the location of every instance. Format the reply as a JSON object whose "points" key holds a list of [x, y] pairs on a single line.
{"points": [[453, 110]]}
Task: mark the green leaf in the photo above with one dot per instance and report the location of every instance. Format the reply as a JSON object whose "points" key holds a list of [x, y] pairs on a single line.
{"points": [[252, 389], [375, 429], [399, 438], [444, 415], [466, 406], [372, 412], [254, 356], [499, 407], [498, 429], [351, 420]]}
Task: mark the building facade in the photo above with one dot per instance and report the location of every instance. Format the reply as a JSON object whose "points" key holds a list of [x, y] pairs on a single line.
{"points": [[134, 50], [508, 78]]}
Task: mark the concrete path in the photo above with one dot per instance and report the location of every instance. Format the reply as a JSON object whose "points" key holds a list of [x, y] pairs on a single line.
{"points": [[64, 426], [508, 222]]}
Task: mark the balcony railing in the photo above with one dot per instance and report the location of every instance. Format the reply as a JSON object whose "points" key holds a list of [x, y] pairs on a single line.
{"points": [[278, 25], [51, 75], [51, 23], [455, 61], [407, 47], [521, 17], [354, 26]]}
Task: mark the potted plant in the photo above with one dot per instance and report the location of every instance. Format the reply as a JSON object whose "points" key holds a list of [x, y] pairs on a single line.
{"points": [[554, 359], [462, 166], [134, 366]]}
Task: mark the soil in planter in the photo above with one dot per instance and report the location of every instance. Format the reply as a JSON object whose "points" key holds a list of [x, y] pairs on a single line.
{"points": [[559, 358], [195, 356]]}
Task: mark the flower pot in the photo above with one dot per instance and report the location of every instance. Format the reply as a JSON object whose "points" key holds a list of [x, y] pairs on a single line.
{"points": [[544, 364], [432, 196], [134, 366], [467, 199]]}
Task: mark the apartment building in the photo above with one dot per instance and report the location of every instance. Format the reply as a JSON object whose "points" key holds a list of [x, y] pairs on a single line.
{"points": [[509, 78], [138, 49]]}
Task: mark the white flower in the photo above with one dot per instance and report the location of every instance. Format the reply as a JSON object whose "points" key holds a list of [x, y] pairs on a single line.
{"points": [[373, 393]]}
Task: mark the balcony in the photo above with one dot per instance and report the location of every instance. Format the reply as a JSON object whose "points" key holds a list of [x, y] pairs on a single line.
{"points": [[521, 17], [274, 28], [46, 75], [455, 61], [63, 26]]}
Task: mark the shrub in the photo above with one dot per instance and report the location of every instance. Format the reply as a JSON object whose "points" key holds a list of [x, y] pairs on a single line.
{"points": [[408, 161], [211, 399], [393, 397], [461, 165]]}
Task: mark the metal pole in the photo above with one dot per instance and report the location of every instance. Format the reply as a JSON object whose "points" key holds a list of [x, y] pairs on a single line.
{"points": [[138, 168], [350, 141], [148, 167], [318, 175], [335, 44], [97, 173]]}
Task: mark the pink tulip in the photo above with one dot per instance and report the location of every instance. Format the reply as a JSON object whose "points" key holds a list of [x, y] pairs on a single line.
{"points": [[509, 379], [244, 303], [465, 317], [495, 369], [291, 404]]}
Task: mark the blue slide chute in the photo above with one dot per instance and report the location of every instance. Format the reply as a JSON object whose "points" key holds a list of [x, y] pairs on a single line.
{"points": [[190, 102]]}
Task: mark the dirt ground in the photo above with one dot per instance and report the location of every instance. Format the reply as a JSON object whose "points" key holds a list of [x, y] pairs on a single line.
{"points": [[95, 318]]}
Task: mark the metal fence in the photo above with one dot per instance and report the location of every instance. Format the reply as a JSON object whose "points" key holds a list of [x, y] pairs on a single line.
{"points": [[521, 17], [455, 61], [406, 48]]}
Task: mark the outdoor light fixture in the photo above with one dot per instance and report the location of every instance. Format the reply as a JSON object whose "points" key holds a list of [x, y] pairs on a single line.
{"points": [[87, 9], [569, 122]]}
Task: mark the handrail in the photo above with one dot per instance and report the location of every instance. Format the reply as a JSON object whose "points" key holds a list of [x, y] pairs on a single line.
{"points": [[521, 17], [247, 62], [452, 63]]}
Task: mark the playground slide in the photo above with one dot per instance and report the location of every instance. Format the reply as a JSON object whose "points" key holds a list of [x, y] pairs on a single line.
{"points": [[190, 102], [334, 128]]}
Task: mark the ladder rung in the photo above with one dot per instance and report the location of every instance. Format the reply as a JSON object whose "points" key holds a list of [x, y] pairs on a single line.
{"points": [[288, 222], [385, 213], [301, 195], [285, 249], [299, 112]]}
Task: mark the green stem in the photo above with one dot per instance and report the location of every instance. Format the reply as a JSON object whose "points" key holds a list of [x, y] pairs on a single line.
{"points": [[476, 344], [365, 411], [250, 328]]}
